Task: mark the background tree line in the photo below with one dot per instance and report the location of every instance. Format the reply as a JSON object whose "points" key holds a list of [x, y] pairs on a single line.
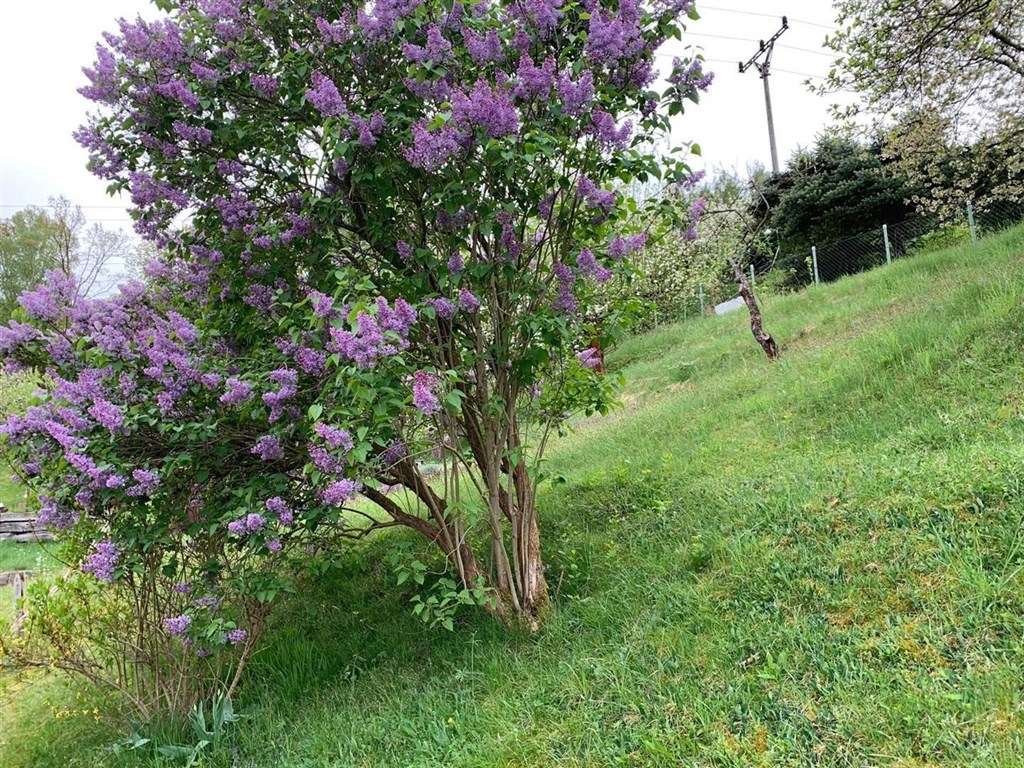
{"points": [[35, 240]]}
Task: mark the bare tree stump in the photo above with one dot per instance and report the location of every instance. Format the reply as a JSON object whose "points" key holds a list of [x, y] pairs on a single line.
{"points": [[771, 349]]}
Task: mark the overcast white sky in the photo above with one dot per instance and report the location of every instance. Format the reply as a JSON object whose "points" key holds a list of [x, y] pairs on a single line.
{"points": [[45, 43]]}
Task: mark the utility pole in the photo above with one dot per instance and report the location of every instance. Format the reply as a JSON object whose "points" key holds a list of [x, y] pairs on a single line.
{"points": [[766, 50]]}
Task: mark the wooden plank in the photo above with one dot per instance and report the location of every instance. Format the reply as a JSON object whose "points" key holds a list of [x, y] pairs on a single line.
{"points": [[27, 538], [18, 593], [18, 527], [21, 527], [19, 587], [12, 577]]}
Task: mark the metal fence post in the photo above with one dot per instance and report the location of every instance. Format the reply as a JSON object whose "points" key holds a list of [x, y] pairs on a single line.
{"points": [[888, 248], [814, 261], [751, 275], [970, 222]]}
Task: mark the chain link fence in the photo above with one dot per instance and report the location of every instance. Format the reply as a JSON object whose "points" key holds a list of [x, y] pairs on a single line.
{"points": [[828, 262], [882, 245], [670, 296]]}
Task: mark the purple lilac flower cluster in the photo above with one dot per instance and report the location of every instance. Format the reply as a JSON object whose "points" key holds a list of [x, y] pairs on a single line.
{"points": [[196, 134], [265, 85], [436, 51], [608, 135], [48, 300], [534, 82], [324, 95], [541, 15], [485, 108], [697, 209], [325, 461], [146, 483], [178, 625], [424, 397], [394, 453], [333, 32], [621, 247], [378, 22], [335, 437], [208, 602], [235, 636], [102, 562], [443, 308], [589, 267], [278, 506], [468, 301], [125, 328], [107, 414], [565, 302], [268, 448], [482, 48], [613, 37], [594, 196], [340, 491], [247, 524], [323, 305], [332, 460], [55, 515], [311, 361], [691, 181], [589, 358], [575, 94], [689, 77], [238, 391], [376, 336], [287, 387]]}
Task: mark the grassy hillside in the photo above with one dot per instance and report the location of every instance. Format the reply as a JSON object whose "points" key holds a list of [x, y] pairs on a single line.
{"points": [[812, 562]]}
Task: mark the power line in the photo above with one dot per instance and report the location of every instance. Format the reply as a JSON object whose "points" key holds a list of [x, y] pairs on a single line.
{"points": [[765, 15], [752, 40], [801, 74], [827, 54], [721, 37], [732, 63], [808, 50]]}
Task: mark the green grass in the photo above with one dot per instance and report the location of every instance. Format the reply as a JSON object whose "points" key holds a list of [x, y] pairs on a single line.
{"points": [[25, 557], [20, 557], [12, 494], [814, 562]]}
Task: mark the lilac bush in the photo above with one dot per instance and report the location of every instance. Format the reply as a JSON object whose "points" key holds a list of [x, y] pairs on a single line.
{"points": [[380, 225]]}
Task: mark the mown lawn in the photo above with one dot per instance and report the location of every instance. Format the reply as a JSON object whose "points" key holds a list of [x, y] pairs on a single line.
{"points": [[25, 557], [12, 494], [812, 562]]}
